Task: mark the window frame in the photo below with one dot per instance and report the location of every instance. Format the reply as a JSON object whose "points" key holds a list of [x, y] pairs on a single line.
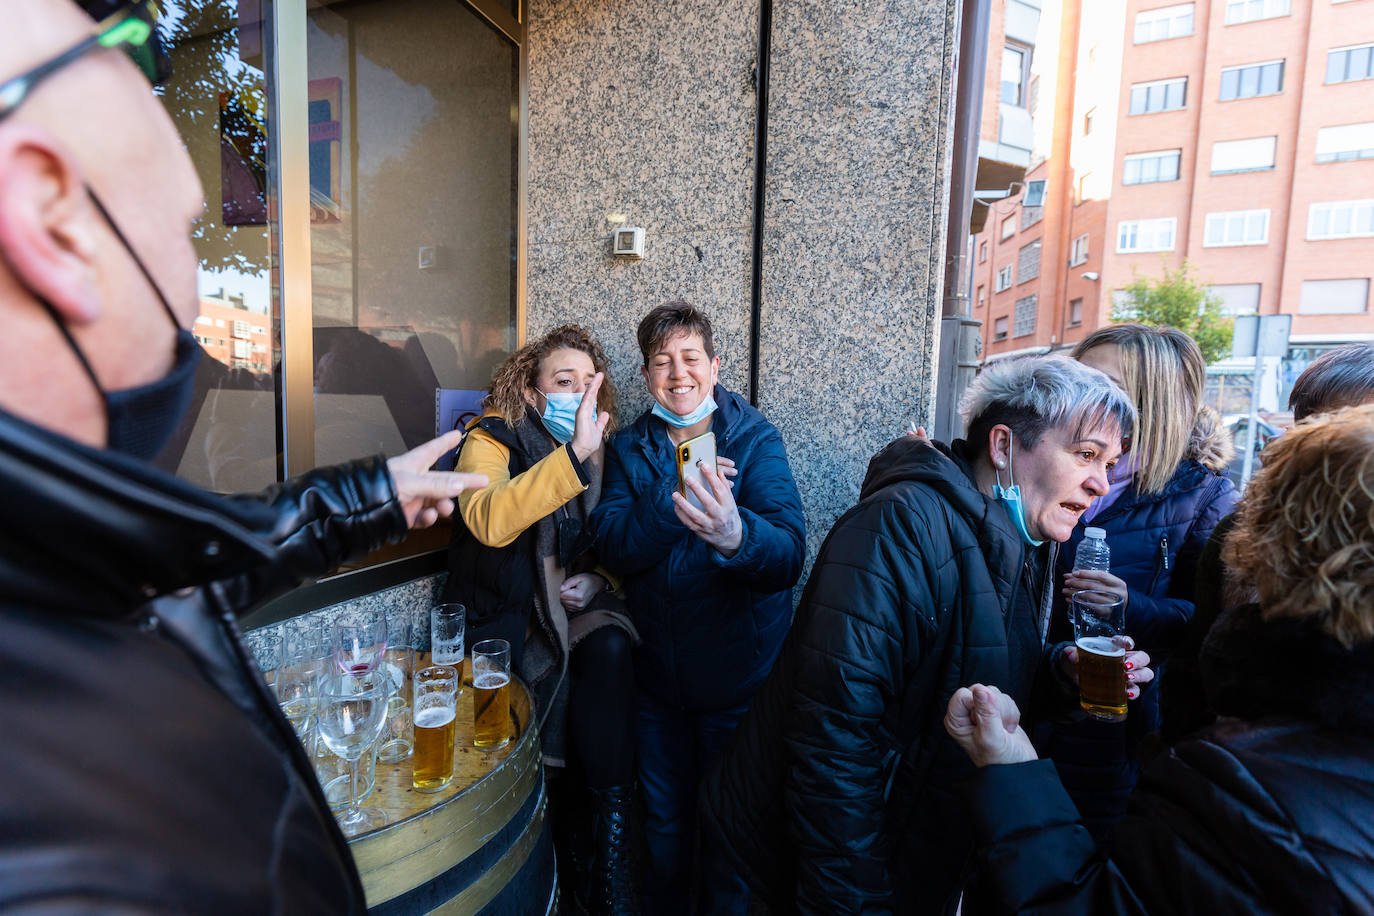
{"points": [[1079, 254], [1154, 155], [1240, 70], [1359, 152], [999, 284], [1158, 15], [1224, 218], [1273, 158], [1332, 207], [1154, 223], [1150, 84], [1367, 47], [1265, 13], [1004, 332]]}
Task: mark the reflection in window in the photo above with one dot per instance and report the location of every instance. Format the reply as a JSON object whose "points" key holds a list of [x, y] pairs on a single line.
{"points": [[217, 97], [1015, 67], [413, 233]]}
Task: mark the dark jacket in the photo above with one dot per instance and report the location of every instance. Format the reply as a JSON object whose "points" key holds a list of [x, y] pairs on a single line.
{"points": [[147, 766], [710, 626], [1156, 540], [1265, 812], [836, 793]]}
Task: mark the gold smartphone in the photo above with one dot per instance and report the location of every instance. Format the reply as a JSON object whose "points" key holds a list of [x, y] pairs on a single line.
{"points": [[701, 449]]}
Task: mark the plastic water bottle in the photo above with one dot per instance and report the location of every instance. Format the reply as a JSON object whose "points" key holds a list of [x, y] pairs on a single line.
{"points": [[1092, 551]]}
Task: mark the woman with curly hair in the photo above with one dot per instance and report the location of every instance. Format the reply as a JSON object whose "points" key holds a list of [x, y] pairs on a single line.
{"points": [[523, 564], [1267, 811]]}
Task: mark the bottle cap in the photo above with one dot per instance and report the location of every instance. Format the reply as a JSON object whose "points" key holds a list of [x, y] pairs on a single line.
{"points": [[1099, 533]]}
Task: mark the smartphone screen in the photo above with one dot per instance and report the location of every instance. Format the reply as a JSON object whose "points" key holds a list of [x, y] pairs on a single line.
{"points": [[701, 449]]}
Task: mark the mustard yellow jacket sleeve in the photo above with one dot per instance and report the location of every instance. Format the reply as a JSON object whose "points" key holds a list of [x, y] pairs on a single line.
{"points": [[498, 514]]}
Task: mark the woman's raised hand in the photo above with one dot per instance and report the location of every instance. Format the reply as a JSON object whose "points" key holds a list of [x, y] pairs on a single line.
{"points": [[589, 431]]}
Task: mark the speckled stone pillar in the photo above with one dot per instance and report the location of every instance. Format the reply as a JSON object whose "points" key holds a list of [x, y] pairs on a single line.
{"points": [[645, 114], [858, 162]]}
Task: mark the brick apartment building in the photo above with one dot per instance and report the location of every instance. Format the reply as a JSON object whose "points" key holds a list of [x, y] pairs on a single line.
{"points": [[231, 333], [1238, 134]]}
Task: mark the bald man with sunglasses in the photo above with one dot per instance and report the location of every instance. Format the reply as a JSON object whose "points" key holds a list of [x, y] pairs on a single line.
{"points": [[147, 767]]}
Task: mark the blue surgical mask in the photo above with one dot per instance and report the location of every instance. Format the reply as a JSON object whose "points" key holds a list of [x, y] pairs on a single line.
{"points": [[702, 411], [560, 414], [1010, 497]]}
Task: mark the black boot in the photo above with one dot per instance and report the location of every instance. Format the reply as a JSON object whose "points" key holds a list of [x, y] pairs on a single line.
{"points": [[609, 889]]}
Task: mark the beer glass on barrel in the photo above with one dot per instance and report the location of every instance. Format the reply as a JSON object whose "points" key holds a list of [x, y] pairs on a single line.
{"points": [[491, 693], [352, 708], [436, 702], [1098, 619]]}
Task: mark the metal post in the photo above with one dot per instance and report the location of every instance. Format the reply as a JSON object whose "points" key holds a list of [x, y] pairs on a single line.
{"points": [[1254, 417]]}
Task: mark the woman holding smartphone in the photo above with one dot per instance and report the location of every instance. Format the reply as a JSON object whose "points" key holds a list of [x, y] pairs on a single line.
{"points": [[523, 564]]}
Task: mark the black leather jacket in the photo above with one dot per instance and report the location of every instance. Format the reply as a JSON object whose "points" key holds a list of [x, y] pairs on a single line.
{"points": [[147, 767]]}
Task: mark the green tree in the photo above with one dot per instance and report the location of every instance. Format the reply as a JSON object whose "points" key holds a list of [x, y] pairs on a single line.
{"points": [[1179, 301]]}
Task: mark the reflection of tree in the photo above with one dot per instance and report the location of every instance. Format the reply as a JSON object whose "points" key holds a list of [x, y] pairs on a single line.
{"points": [[203, 39]]}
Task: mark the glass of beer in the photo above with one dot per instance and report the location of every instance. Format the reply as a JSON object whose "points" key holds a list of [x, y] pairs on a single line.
{"points": [[491, 693], [436, 709], [1098, 619], [446, 624]]}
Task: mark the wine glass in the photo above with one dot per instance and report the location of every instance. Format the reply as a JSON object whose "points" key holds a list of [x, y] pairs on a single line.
{"points": [[351, 710], [359, 642]]}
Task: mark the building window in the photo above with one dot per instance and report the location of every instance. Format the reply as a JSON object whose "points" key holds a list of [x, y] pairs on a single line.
{"points": [[999, 328], [1003, 279], [1251, 155], [1161, 95], [1084, 183], [1078, 252], [1015, 74], [1164, 22], [1088, 121], [1028, 262], [1345, 65], [1238, 11], [1237, 298], [1024, 322], [982, 296], [1075, 312], [1147, 168], [1008, 227], [1251, 80], [1141, 235], [1340, 219], [982, 252], [1334, 297], [1346, 142], [1236, 227]]}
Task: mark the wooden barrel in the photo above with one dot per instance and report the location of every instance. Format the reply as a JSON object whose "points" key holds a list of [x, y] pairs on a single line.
{"points": [[481, 845]]}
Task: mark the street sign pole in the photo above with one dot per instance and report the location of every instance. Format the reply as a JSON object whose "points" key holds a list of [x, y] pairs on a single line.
{"points": [[1254, 419], [1258, 337]]}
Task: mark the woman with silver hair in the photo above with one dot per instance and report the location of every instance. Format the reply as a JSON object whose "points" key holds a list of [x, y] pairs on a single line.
{"points": [[837, 794]]}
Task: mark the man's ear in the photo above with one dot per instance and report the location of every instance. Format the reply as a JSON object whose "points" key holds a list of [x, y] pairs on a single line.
{"points": [[49, 230]]}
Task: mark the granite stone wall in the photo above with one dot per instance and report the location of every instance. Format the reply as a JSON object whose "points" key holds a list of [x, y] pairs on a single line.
{"points": [[645, 114]]}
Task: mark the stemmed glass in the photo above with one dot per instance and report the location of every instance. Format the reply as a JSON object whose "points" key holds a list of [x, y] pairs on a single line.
{"points": [[359, 642], [352, 708]]}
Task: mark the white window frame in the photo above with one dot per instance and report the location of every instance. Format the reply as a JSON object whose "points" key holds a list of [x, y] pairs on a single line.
{"points": [[1346, 50], [1303, 309], [1224, 147], [1346, 142], [1235, 228], [1239, 11], [1172, 18], [1324, 217], [1147, 86], [1240, 79], [1078, 251], [1159, 155], [1153, 231], [1003, 279]]}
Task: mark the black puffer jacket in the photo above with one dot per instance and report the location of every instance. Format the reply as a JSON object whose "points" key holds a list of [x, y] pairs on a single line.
{"points": [[147, 767], [835, 796], [1265, 812]]}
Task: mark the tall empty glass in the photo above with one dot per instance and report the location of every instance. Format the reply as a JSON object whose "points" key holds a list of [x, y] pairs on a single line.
{"points": [[352, 708], [491, 693], [1098, 619], [436, 707], [398, 734], [447, 622], [359, 641]]}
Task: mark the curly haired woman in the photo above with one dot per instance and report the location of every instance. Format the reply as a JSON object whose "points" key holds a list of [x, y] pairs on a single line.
{"points": [[1268, 811], [523, 564]]}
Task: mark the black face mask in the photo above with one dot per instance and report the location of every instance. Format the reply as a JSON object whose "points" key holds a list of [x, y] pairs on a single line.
{"points": [[141, 420]]}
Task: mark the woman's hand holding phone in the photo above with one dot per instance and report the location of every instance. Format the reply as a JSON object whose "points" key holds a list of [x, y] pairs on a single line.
{"points": [[588, 432], [717, 522]]}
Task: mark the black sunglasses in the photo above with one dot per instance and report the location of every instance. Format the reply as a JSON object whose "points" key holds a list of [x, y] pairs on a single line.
{"points": [[128, 26]]}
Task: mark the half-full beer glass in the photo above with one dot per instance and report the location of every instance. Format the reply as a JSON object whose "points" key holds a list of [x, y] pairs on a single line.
{"points": [[436, 707], [491, 693], [1098, 619]]}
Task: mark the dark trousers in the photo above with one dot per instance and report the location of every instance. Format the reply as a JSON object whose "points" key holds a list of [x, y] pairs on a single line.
{"points": [[676, 750]]}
